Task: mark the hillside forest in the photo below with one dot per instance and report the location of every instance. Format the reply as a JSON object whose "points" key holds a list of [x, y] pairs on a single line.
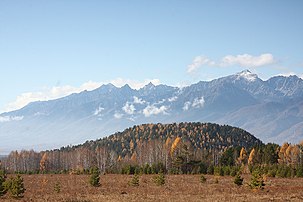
{"points": [[178, 148]]}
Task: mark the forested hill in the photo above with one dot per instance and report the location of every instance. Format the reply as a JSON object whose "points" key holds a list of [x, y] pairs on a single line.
{"points": [[195, 135], [140, 145]]}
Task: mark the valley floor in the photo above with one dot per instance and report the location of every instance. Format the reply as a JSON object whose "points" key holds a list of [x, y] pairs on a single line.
{"points": [[75, 188]]}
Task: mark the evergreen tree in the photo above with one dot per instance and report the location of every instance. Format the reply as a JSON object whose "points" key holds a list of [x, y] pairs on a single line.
{"points": [[2, 183], [160, 179], [134, 181], [94, 179], [257, 181], [202, 179], [15, 186], [57, 187], [238, 180]]}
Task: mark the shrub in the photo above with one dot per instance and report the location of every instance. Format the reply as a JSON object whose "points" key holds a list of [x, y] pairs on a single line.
{"points": [[94, 179], [226, 170], [202, 179], [15, 186], [2, 183], [134, 181], [218, 170], [256, 181], [299, 171], [210, 170], [160, 179], [57, 187], [233, 172], [238, 180]]}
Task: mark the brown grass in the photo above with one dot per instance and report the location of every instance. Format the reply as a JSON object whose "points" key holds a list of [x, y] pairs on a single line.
{"points": [[75, 188]]}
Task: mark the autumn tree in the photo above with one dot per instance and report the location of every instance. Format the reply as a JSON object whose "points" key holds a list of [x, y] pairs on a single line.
{"points": [[251, 158], [282, 153], [43, 163], [242, 157]]}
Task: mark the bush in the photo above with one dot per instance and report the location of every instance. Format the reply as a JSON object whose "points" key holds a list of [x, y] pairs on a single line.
{"points": [[202, 179], [210, 170], [218, 170], [15, 186], [271, 173], [134, 181], [226, 170], [57, 187], [238, 180], [299, 171], [256, 181], [160, 179], [2, 183], [233, 171], [94, 179]]}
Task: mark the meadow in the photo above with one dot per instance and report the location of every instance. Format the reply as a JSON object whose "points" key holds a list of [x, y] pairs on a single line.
{"points": [[115, 187]]}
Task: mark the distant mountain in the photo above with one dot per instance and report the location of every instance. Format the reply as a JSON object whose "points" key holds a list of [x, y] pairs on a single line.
{"points": [[272, 110]]}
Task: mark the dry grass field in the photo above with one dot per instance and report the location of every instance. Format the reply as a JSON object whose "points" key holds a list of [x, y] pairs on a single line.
{"points": [[75, 188]]}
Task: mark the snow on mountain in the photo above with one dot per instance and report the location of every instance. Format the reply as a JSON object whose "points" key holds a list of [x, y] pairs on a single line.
{"points": [[271, 110], [247, 75]]}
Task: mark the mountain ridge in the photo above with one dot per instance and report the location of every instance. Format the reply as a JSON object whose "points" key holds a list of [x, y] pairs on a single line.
{"points": [[272, 110]]}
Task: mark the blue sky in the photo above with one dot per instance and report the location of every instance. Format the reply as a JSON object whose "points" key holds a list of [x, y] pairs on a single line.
{"points": [[51, 48]]}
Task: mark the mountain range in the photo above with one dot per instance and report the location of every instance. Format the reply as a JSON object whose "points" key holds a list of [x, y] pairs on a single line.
{"points": [[272, 110]]}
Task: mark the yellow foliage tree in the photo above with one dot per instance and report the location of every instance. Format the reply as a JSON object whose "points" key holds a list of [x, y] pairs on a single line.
{"points": [[251, 158], [243, 156], [134, 157], [174, 145], [43, 162], [282, 153]]}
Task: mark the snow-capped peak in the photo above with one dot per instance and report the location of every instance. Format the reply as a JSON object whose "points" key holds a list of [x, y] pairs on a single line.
{"points": [[246, 74]]}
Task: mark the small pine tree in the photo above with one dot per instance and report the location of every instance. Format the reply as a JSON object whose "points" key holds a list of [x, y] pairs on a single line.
{"points": [[15, 186], [57, 187], [2, 185], [238, 180], [134, 181], [160, 179], [202, 179], [256, 181], [94, 179]]}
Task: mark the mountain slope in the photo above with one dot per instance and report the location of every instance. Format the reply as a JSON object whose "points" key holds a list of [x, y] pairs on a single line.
{"points": [[272, 110]]}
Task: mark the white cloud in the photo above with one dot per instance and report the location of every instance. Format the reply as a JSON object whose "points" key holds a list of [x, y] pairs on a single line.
{"points": [[172, 99], [138, 100], [244, 60], [129, 108], [118, 115], [98, 111], [198, 102], [198, 62], [153, 110], [10, 118], [186, 106], [61, 91]]}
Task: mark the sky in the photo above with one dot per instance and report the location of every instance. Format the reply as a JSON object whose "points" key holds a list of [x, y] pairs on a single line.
{"points": [[49, 49]]}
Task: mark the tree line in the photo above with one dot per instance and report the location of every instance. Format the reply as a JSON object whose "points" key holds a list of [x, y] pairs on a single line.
{"points": [[173, 148]]}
